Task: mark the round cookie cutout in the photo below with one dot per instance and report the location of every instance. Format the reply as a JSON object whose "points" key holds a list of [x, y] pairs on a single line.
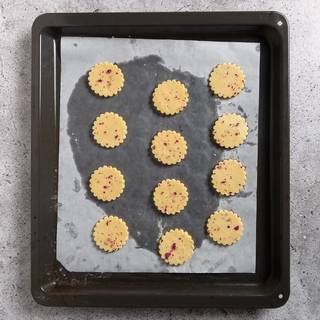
{"points": [[230, 130], [176, 247], [226, 80], [110, 233], [170, 196], [106, 79], [109, 130], [228, 177], [170, 97], [107, 183], [225, 227], [169, 147]]}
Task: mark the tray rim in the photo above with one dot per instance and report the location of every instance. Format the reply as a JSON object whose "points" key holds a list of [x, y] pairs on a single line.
{"points": [[47, 23]]}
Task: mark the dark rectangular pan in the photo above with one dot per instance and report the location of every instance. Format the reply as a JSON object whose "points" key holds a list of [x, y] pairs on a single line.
{"points": [[269, 287]]}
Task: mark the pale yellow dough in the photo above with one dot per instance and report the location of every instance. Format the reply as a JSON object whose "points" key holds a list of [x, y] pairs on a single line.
{"points": [[109, 130], [230, 130], [107, 183], [226, 80], [170, 97], [170, 196], [106, 79], [176, 247], [110, 233], [169, 147], [228, 177], [225, 227]]}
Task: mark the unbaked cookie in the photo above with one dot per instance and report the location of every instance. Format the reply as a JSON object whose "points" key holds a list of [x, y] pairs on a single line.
{"points": [[225, 227], [230, 130], [176, 247], [109, 130], [106, 79], [228, 177], [170, 196], [169, 147], [110, 233], [226, 80], [170, 97], [107, 183]]}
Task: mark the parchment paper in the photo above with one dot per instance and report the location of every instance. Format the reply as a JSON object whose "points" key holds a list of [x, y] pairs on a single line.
{"points": [[146, 63]]}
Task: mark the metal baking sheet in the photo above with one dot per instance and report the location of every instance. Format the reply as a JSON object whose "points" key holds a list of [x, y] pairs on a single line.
{"points": [[145, 63]]}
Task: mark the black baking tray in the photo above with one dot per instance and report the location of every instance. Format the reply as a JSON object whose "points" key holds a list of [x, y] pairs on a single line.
{"points": [[51, 284]]}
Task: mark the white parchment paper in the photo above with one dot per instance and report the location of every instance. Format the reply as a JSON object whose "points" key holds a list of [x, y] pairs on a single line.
{"points": [[77, 213]]}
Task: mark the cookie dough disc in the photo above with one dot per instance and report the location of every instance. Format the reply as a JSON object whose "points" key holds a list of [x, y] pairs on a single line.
{"points": [[228, 177], [110, 233], [109, 130], [170, 97], [170, 196], [176, 247], [169, 147], [230, 130], [107, 183], [225, 227], [106, 79], [226, 80]]}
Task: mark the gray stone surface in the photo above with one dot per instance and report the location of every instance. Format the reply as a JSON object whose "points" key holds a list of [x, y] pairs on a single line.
{"points": [[15, 54]]}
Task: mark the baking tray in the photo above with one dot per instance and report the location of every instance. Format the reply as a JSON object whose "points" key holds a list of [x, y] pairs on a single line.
{"points": [[269, 286]]}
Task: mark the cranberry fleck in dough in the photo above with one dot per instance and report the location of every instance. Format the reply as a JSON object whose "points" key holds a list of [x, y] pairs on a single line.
{"points": [[107, 183], [170, 196], [169, 147], [176, 247]]}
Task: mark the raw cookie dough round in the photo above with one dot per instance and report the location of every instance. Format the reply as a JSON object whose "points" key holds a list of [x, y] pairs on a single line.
{"points": [[228, 177], [109, 130], [170, 97], [107, 183], [106, 79], [169, 147], [225, 227], [230, 130], [176, 247], [110, 233], [226, 80], [170, 196]]}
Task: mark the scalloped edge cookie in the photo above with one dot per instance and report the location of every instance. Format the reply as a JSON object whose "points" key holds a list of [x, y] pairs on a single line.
{"points": [[230, 130], [225, 227], [109, 121], [106, 86], [166, 206], [161, 100], [116, 231], [232, 87], [102, 193], [224, 186], [176, 247], [169, 147]]}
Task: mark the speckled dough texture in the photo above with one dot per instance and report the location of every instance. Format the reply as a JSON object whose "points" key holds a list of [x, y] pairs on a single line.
{"points": [[170, 196], [229, 177], [230, 130], [110, 233], [107, 183], [109, 130], [225, 227], [176, 247], [169, 147], [226, 80], [170, 97], [105, 79]]}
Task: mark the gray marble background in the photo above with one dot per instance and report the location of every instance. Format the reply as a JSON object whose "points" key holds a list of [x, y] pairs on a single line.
{"points": [[16, 18], [146, 63]]}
